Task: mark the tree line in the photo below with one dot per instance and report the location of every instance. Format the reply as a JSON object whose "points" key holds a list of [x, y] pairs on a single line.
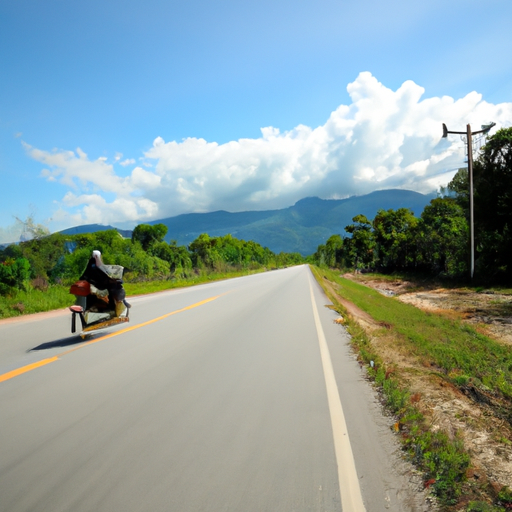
{"points": [[437, 242], [58, 258]]}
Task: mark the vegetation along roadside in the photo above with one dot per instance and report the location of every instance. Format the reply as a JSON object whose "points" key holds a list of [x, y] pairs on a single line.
{"points": [[35, 275], [448, 387]]}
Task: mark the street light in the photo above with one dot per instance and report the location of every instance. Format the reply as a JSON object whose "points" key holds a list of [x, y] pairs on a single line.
{"points": [[469, 134]]}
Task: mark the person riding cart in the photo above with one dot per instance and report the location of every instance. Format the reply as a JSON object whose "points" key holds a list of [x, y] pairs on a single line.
{"points": [[105, 278], [100, 296]]}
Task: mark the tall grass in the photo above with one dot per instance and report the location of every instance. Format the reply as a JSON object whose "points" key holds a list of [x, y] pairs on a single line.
{"points": [[33, 300]]}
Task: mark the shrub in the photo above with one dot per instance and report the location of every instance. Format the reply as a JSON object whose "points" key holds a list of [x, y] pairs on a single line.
{"points": [[13, 273]]}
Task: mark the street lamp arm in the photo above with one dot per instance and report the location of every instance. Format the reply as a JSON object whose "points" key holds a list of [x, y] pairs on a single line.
{"points": [[446, 132], [486, 129], [479, 131]]}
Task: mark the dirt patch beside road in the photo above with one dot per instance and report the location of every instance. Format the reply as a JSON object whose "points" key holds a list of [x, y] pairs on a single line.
{"points": [[489, 311]]}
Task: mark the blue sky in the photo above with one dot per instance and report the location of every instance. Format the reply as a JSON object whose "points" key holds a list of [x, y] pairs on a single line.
{"points": [[122, 112]]}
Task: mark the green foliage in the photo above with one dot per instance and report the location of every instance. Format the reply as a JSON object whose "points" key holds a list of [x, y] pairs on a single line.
{"points": [[455, 348], [43, 254], [213, 252], [147, 235], [178, 258], [482, 506], [392, 232], [437, 243], [115, 250], [204, 251], [397, 398], [286, 259], [459, 186], [492, 194], [146, 258], [359, 249], [441, 238], [13, 274], [444, 461], [140, 265], [330, 254], [493, 182], [77, 250], [505, 497], [33, 300]]}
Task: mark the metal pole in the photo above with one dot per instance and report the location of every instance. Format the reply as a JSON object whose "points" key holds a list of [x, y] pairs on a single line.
{"points": [[469, 134], [471, 210]]}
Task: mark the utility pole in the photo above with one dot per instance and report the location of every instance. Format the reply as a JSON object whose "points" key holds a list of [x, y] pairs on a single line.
{"points": [[469, 140]]}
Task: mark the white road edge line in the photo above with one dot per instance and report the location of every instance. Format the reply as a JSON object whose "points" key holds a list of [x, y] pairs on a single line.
{"points": [[351, 498]]}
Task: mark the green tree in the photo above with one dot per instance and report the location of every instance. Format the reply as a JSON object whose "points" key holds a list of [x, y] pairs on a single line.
{"points": [[256, 253], [492, 194], [359, 248], [43, 254], [442, 237], [493, 204], [178, 257], [319, 257], [232, 250], [393, 231], [459, 186], [204, 251], [147, 235], [334, 251], [330, 253]]}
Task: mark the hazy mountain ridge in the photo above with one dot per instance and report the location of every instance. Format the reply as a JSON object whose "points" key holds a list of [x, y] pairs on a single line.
{"points": [[92, 228], [298, 228]]}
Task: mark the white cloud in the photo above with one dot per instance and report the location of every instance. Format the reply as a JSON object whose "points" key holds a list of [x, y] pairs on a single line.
{"points": [[95, 209], [383, 139]]}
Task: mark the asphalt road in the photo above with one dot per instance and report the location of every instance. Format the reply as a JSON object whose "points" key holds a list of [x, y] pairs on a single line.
{"points": [[239, 396]]}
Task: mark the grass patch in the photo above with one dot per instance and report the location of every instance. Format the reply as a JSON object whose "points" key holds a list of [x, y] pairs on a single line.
{"points": [[37, 299], [459, 352], [33, 300], [459, 355]]}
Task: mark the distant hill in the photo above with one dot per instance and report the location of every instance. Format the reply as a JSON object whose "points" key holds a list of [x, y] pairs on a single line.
{"points": [[93, 228], [298, 228]]}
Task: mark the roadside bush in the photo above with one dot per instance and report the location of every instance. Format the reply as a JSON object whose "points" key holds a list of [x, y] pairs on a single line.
{"points": [[13, 274]]}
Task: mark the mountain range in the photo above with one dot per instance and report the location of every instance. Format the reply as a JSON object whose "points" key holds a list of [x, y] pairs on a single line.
{"points": [[299, 228]]}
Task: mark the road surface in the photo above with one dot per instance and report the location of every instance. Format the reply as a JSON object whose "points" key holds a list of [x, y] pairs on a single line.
{"points": [[236, 396]]}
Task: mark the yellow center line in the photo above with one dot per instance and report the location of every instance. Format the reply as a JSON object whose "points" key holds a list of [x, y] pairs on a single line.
{"points": [[25, 369], [43, 362]]}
